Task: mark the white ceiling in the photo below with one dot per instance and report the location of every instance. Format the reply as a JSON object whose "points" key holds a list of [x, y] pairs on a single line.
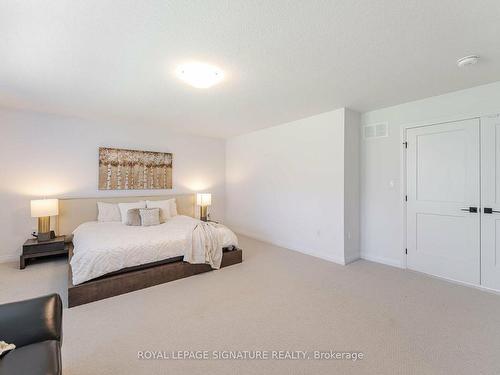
{"points": [[284, 60]]}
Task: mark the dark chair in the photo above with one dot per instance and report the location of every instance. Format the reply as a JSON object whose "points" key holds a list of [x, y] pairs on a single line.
{"points": [[35, 327]]}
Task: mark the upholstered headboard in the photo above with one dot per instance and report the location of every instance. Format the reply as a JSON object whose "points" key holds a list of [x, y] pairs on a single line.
{"points": [[75, 211]]}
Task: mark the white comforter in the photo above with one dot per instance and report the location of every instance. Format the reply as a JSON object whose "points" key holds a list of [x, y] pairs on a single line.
{"points": [[101, 248]]}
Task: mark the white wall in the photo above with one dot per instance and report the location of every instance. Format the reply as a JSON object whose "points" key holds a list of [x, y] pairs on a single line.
{"points": [[45, 155], [285, 185], [381, 204]]}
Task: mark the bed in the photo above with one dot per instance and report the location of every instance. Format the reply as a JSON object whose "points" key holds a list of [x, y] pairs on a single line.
{"points": [[108, 259]]}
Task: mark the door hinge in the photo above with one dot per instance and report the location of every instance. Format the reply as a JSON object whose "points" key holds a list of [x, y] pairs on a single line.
{"points": [[406, 251], [406, 144], [406, 198]]}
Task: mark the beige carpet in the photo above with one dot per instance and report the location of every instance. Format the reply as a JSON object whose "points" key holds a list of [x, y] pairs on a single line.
{"points": [[403, 322]]}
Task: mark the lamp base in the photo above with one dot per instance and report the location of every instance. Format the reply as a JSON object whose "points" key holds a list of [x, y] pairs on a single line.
{"points": [[44, 232], [203, 213], [45, 236]]}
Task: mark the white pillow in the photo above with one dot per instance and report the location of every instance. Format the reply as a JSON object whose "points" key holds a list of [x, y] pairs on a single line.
{"points": [[107, 212], [173, 207], [166, 211], [124, 207]]}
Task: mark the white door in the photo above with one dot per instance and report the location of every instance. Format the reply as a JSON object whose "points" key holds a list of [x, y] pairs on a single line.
{"points": [[490, 197], [443, 231]]}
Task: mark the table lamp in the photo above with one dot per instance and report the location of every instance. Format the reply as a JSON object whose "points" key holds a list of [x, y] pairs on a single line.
{"points": [[203, 200], [43, 209]]}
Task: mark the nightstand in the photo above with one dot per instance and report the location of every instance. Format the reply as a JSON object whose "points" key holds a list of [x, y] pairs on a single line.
{"points": [[32, 248]]}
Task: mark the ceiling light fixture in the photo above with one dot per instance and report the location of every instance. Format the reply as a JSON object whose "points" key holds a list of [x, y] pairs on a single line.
{"points": [[468, 60], [200, 75]]}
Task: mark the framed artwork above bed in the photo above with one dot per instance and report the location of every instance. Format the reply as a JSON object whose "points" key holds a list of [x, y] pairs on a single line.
{"points": [[121, 169]]}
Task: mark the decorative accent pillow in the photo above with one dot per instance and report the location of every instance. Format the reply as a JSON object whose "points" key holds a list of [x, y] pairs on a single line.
{"points": [[107, 212], [124, 207], [149, 216], [133, 217]]}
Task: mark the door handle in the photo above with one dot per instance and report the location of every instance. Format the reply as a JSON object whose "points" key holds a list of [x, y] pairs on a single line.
{"points": [[470, 209], [489, 210]]}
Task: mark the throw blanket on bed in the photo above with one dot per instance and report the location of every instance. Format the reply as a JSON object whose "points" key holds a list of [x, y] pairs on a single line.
{"points": [[204, 245]]}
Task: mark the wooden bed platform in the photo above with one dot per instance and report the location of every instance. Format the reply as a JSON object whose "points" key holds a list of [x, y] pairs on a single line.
{"points": [[140, 277], [75, 211]]}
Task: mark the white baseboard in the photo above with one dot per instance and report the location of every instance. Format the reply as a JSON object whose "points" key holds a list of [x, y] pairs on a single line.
{"points": [[457, 282], [352, 259], [393, 263], [329, 258], [382, 260], [258, 237], [9, 258]]}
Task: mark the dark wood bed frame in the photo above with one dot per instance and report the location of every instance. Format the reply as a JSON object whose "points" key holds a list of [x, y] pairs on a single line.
{"points": [[139, 277]]}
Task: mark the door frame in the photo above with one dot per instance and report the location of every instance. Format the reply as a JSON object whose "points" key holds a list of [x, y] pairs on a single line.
{"points": [[403, 172]]}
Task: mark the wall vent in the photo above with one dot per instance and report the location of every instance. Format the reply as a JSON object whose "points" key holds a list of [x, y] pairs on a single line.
{"points": [[376, 130]]}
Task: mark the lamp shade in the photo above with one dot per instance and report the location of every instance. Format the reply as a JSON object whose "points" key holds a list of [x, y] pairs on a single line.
{"points": [[44, 207], [203, 199]]}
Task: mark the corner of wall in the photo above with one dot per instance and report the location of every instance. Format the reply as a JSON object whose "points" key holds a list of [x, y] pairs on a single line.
{"points": [[352, 148]]}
